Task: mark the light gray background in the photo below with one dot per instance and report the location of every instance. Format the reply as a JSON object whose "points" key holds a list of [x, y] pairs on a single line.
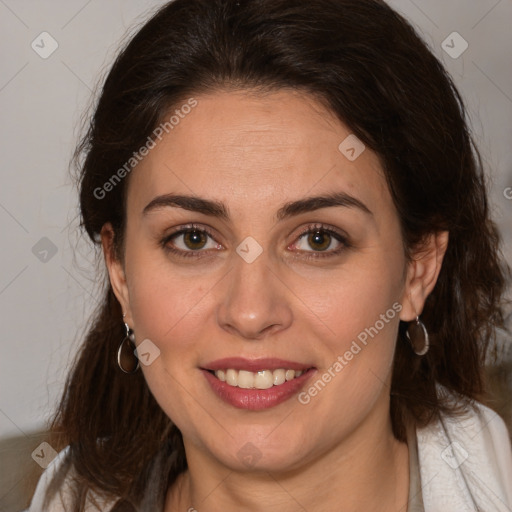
{"points": [[44, 306]]}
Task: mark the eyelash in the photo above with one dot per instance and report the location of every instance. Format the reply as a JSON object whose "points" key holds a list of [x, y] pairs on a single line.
{"points": [[312, 228]]}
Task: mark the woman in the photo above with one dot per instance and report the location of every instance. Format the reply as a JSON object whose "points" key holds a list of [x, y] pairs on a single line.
{"points": [[296, 231]]}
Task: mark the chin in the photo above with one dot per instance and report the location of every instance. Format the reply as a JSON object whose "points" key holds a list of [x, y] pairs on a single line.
{"points": [[278, 456]]}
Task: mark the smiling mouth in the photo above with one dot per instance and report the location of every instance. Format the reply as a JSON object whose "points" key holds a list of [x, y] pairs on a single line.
{"points": [[264, 379]]}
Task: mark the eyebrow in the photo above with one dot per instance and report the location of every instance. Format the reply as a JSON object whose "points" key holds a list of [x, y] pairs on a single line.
{"points": [[221, 211]]}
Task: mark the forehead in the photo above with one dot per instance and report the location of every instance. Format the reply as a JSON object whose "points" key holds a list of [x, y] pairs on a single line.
{"points": [[254, 150]]}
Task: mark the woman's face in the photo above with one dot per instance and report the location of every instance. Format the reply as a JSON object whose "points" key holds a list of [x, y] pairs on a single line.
{"points": [[256, 288]]}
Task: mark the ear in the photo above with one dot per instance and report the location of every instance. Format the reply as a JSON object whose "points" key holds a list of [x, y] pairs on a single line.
{"points": [[422, 273], [115, 270]]}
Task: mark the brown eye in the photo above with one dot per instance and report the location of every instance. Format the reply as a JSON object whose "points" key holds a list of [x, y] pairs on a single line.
{"points": [[190, 242], [319, 240], [195, 239]]}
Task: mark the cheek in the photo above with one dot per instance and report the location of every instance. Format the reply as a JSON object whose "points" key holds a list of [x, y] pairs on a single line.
{"points": [[357, 299], [361, 312], [364, 341], [167, 309], [163, 300], [357, 364]]}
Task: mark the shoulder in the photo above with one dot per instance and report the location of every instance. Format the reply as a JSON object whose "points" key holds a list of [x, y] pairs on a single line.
{"points": [[63, 500], [466, 461], [55, 505]]}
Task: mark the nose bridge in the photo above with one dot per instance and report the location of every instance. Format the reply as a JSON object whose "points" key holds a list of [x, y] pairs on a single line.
{"points": [[254, 299]]}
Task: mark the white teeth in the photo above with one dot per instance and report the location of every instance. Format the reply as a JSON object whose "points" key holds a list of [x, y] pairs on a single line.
{"points": [[263, 379], [232, 377], [279, 377], [245, 379]]}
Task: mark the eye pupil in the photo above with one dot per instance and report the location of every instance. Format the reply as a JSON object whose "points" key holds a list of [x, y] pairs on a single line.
{"points": [[318, 237], [194, 237]]}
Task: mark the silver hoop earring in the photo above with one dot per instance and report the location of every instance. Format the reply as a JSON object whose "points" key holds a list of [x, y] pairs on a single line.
{"points": [[125, 353], [418, 336]]}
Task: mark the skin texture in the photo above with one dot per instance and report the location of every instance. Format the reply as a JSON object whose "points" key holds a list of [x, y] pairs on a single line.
{"points": [[254, 153]]}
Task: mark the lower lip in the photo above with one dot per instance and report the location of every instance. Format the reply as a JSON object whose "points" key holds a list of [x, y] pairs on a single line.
{"points": [[257, 399]]}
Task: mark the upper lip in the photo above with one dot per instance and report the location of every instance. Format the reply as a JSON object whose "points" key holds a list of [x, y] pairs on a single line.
{"points": [[254, 365]]}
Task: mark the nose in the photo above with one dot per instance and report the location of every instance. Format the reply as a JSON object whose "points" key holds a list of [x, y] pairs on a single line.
{"points": [[255, 302]]}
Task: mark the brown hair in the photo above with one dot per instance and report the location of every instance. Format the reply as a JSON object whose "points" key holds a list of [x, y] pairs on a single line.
{"points": [[368, 66]]}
